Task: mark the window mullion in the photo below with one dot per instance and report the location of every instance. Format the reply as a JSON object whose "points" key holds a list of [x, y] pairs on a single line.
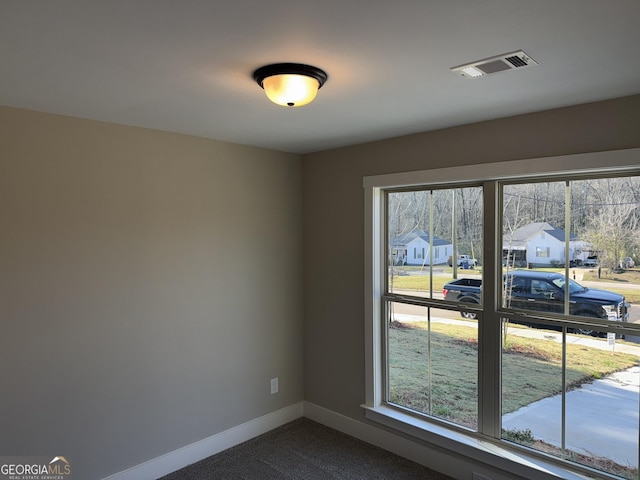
{"points": [[489, 377]]}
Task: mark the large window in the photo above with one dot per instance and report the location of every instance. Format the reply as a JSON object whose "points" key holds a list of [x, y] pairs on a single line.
{"points": [[500, 308]]}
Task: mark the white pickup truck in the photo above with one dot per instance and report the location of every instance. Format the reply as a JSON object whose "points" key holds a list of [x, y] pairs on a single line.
{"points": [[464, 261]]}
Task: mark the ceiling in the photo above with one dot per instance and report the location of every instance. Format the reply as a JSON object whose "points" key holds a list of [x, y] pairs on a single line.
{"points": [[186, 66]]}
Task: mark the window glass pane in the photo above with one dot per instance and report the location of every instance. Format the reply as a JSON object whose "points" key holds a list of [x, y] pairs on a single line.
{"points": [[533, 239], [424, 230], [602, 405], [599, 427], [433, 362], [598, 244], [605, 220], [531, 373]]}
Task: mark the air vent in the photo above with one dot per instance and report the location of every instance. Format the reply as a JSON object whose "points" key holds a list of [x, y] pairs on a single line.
{"points": [[500, 63]]}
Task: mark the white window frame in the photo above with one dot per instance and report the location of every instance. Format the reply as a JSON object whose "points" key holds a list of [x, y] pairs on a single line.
{"points": [[484, 445]]}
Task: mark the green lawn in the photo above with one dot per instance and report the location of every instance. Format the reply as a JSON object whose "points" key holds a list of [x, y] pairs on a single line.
{"points": [[629, 277], [419, 282], [531, 369]]}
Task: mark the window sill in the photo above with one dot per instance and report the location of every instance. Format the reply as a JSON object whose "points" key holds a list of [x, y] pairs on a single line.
{"points": [[457, 443]]}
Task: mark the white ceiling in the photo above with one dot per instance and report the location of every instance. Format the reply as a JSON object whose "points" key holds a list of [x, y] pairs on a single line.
{"points": [[185, 65]]}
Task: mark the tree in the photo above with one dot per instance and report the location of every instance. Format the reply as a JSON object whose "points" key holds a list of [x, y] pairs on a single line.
{"points": [[612, 227]]}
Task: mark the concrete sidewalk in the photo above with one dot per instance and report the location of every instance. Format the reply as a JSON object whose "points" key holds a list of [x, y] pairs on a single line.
{"points": [[601, 418]]}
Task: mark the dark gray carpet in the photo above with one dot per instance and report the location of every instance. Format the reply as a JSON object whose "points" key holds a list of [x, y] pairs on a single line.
{"points": [[305, 450]]}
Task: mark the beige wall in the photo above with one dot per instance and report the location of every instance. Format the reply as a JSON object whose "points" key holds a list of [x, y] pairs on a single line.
{"points": [[334, 219], [150, 286]]}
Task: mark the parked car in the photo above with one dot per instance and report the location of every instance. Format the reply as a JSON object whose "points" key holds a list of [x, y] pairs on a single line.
{"points": [[464, 261], [627, 262], [591, 261], [544, 292]]}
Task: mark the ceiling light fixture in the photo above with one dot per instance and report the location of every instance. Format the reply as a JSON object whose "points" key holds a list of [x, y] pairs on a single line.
{"points": [[290, 84]]}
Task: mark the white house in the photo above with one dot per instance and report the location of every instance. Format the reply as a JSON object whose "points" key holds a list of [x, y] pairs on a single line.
{"points": [[541, 244], [414, 249]]}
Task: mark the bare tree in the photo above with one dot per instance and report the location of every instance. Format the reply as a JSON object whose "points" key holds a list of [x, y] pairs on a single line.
{"points": [[613, 224]]}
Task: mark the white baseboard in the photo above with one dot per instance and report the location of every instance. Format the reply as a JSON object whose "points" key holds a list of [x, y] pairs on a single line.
{"points": [[202, 449], [448, 462]]}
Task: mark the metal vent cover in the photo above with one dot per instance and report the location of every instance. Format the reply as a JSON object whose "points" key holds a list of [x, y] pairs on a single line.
{"points": [[499, 63]]}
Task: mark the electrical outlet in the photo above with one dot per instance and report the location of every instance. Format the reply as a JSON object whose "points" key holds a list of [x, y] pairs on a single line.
{"points": [[275, 388], [478, 476]]}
